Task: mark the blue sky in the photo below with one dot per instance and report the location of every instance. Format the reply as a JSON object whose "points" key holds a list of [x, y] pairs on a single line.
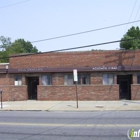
{"points": [[40, 19]]}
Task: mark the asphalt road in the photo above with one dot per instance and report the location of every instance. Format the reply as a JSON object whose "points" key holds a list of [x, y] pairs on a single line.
{"points": [[42, 125]]}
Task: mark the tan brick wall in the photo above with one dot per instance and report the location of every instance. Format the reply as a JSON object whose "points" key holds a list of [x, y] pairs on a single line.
{"points": [[77, 59], [5, 92], [4, 79], [135, 92], [4, 85], [96, 92], [11, 79], [96, 78], [135, 77], [57, 79], [18, 93], [115, 78]]}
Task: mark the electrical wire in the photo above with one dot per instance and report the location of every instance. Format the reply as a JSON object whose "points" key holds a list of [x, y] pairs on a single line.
{"points": [[84, 32], [58, 37], [137, 12], [138, 18], [13, 4], [131, 15]]}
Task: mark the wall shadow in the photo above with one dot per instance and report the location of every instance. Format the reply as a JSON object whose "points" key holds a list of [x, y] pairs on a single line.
{"points": [[120, 58]]}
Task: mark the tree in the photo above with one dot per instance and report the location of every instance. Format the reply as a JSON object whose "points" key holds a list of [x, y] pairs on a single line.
{"points": [[18, 46], [5, 44], [22, 46], [132, 38]]}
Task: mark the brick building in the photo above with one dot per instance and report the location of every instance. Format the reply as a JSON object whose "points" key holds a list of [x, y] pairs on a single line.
{"points": [[102, 75]]}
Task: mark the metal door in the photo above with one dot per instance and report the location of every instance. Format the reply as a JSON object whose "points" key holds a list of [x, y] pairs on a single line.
{"points": [[124, 89], [32, 87]]}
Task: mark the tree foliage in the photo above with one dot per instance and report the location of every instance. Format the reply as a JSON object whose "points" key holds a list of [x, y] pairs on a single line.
{"points": [[17, 47], [131, 40], [5, 44], [22, 46]]}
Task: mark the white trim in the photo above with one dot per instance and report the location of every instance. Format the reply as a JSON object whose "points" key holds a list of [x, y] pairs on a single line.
{"points": [[4, 63]]}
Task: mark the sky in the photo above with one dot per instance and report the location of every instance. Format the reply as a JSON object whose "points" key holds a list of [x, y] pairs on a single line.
{"points": [[34, 20]]}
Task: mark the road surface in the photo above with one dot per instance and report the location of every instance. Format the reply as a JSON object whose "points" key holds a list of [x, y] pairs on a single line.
{"points": [[43, 125]]}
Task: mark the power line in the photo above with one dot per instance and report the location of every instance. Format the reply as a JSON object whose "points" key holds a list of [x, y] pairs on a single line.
{"points": [[131, 14], [86, 46], [104, 43], [13, 4], [137, 12], [85, 32], [138, 18]]}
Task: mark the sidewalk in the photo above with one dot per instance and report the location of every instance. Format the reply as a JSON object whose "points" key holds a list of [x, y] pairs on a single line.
{"points": [[71, 105]]}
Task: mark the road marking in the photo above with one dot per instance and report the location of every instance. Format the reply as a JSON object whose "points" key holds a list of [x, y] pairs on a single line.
{"points": [[70, 125]]}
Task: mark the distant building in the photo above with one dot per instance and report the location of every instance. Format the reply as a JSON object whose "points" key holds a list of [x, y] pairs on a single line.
{"points": [[102, 75]]}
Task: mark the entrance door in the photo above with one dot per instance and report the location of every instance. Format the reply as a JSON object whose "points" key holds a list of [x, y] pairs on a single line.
{"points": [[124, 82], [32, 88], [124, 89]]}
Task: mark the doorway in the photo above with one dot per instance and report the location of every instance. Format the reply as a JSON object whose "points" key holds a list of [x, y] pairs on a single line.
{"points": [[124, 82], [32, 87]]}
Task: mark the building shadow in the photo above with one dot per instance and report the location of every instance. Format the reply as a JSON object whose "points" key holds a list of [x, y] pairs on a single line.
{"points": [[120, 58], [124, 61]]}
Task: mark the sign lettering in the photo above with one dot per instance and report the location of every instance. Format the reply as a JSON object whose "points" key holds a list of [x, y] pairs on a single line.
{"points": [[30, 69], [105, 68]]}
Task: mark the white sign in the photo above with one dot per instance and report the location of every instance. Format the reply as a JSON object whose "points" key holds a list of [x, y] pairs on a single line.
{"points": [[75, 75]]}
